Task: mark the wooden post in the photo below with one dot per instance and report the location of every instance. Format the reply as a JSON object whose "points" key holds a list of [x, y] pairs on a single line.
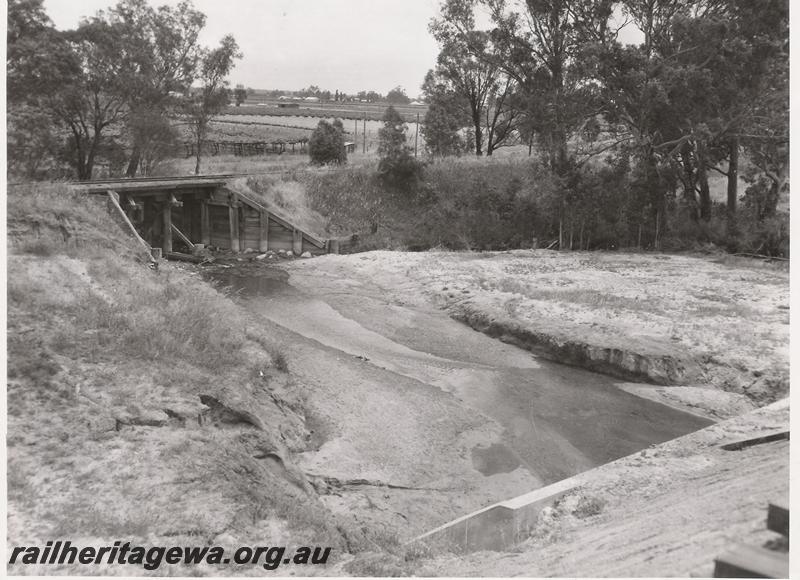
{"points": [[333, 246], [365, 132], [233, 225], [187, 223], [297, 242], [205, 226], [263, 238], [166, 213], [242, 227]]}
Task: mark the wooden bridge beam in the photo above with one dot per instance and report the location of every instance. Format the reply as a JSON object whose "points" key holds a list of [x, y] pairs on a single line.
{"points": [[242, 227], [263, 238], [233, 222], [166, 215], [297, 241], [205, 224]]}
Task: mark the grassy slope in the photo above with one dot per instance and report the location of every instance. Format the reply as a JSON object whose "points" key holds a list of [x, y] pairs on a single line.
{"points": [[107, 363], [286, 198]]}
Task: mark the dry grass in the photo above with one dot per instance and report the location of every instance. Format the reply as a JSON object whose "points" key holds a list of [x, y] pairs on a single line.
{"points": [[98, 342], [286, 198]]}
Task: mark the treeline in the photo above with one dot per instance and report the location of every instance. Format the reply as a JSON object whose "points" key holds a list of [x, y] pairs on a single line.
{"points": [[111, 90], [396, 96], [704, 93], [469, 204]]}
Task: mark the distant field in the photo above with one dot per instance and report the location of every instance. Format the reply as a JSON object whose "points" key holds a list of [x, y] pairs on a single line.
{"points": [[370, 111], [263, 127]]}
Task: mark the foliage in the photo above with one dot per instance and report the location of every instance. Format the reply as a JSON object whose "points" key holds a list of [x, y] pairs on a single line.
{"points": [[468, 66], [397, 96], [351, 198], [163, 45], [212, 96], [398, 170], [326, 144], [709, 81], [111, 84], [239, 95], [475, 204], [33, 145], [154, 139], [441, 127]]}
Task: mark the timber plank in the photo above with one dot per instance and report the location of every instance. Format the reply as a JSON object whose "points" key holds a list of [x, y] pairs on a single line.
{"points": [[744, 443], [778, 519], [751, 562]]}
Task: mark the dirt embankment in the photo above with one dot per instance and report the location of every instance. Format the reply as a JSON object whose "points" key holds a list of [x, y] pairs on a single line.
{"points": [[717, 326], [122, 378], [142, 405]]}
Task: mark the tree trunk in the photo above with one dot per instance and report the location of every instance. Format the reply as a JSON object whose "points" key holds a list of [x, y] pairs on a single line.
{"points": [[80, 156], [478, 137], [702, 182], [733, 186], [133, 162], [689, 195], [199, 152]]}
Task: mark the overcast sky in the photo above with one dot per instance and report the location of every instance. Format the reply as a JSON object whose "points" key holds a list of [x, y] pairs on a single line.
{"points": [[345, 45]]}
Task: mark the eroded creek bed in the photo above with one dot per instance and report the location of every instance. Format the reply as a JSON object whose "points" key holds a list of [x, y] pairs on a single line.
{"points": [[451, 419]]}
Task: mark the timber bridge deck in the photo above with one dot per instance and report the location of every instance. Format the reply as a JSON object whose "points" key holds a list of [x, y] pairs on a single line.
{"points": [[190, 211]]}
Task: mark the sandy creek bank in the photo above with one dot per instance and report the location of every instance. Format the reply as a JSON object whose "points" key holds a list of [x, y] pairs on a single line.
{"points": [[419, 419]]}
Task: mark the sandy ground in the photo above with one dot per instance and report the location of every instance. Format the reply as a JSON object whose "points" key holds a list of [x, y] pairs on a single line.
{"points": [[407, 396], [725, 320], [667, 511], [410, 418]]}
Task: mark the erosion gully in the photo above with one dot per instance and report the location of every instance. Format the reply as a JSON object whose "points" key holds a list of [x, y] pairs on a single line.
{"points": [[552, 421]]}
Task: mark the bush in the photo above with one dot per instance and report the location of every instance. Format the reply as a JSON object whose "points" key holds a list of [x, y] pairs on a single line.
{"points": [[398, 170], [326, 145]]}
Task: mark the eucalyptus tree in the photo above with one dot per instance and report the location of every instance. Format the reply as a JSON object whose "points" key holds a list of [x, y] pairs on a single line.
{"points": [[203, 103], [445, 118], [162, 45]]}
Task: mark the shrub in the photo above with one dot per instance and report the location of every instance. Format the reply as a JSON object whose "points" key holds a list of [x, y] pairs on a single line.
{"points": [[398, 169], [326, 145]]}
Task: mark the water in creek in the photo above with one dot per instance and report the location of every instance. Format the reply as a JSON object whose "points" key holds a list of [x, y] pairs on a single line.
{"points": [[557, 420]]}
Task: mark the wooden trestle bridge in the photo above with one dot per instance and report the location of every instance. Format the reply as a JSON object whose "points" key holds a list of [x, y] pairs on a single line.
{"points": [[189, 211]]}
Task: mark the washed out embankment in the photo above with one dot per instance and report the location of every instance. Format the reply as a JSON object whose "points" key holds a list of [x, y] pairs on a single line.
{"points": [[708, 334], [540, 421], [644, 363]]}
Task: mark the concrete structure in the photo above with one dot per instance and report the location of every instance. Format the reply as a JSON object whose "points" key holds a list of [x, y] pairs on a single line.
{"points": [[500, 525]]}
